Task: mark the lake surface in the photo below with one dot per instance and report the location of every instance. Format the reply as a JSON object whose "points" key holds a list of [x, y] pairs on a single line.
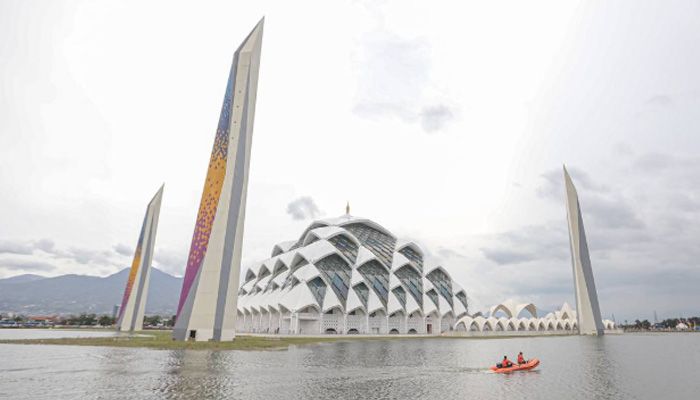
{"points": [[642, 366]]}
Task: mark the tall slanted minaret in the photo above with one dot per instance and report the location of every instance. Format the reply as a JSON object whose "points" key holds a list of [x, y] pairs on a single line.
{"points": [[587, 308], [136, 292], [207, 307]]}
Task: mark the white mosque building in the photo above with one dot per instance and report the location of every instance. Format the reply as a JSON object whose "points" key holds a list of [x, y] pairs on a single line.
{"points": [[349, 275]]}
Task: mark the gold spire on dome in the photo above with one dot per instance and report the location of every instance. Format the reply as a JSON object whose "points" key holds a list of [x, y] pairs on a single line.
{"points": [[347, 208]]}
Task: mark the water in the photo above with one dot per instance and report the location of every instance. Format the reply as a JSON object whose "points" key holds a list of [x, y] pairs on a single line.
{"points": [[644, 366]]}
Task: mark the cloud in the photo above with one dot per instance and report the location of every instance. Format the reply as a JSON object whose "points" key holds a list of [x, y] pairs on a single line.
{"points": [[609, 209], [434, 118], [46, 245], [611, 213], [660, 100], [26, 265], [25, 247], [303, 208], [394, 82], [651, 162], [123, 249], [506, 256], [553, 187], [16, 247], [529, 243], [85, 256], [171, 261]]}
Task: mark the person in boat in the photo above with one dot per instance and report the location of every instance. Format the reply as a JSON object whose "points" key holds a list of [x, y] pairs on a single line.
{"points": [[505, 363], [521, 359]]}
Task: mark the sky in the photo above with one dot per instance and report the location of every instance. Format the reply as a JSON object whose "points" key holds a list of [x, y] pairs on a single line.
{"points": [[447, 123]]}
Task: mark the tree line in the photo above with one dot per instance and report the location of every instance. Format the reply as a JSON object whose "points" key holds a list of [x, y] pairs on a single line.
{"points": [[86, 319]]}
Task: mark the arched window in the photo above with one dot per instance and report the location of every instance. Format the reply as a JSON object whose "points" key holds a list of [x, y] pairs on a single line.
{"points": [[411, 279], [318, 289], [442, 283], [378, 278], [378, 242], [346, 246], [337, 273], [413, 255]]}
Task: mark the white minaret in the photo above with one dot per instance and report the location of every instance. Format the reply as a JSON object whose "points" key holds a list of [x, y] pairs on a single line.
{"points": [[587, 309], [207, 307], [136, 291]]}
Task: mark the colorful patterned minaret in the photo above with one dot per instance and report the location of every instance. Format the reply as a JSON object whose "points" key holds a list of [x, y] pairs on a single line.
{"points": [[207, 307], [136, 292]]}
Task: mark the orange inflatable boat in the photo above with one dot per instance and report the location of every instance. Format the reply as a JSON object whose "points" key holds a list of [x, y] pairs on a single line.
{"points": [[522, 367]]}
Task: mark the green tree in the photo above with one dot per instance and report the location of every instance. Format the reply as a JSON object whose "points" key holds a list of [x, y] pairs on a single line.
{"points": [[152, 320], [105, 320]]}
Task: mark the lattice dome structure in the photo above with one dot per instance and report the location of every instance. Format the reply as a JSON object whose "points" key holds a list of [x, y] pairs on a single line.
{"points": [[348, 275]]}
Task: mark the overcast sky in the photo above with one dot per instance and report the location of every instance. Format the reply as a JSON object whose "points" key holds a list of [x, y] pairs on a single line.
{"points": [[446, 124]]}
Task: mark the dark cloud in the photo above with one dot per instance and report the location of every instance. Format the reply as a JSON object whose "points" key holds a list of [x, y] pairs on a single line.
{"points": [[608, 209], [123, 249], [507, 256], [26, 265], [611, 213], [434, 118], [303, 208], [530, 243]]}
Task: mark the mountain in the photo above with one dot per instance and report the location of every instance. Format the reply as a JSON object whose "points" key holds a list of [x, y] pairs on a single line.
{"points": [[74, 294], [22, 278]]}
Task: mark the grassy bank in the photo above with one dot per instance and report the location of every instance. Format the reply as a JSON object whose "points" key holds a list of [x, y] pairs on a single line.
{"points": [[162, 340]]}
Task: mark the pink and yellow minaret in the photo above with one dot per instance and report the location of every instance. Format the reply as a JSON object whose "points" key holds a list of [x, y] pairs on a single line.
{"points": [[134, 301], [207, 307]]}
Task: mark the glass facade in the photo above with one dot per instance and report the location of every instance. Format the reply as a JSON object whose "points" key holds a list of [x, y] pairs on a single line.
{"points": [[362, 292], [442, 283], [413, 255], [318, 289], [337, 273], [400, 295], [413, 281], [378, 278], [433, 296], [346, 246], [379, 243]]}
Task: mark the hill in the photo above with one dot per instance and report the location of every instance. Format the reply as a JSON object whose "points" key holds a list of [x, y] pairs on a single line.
{"points": [[74, 294]]}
